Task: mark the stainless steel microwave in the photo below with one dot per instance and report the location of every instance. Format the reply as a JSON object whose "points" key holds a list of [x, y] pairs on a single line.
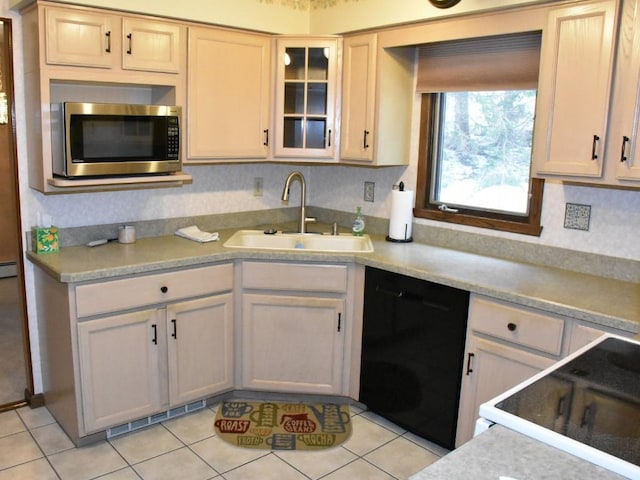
{"points": [[99, 139]]}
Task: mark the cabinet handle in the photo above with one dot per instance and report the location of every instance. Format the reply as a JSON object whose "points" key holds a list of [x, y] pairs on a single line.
{"points": [[129, 36], [512, 327], [108, 35], [587, 416], [154, 340], [625, 140], [164, 289], [329, 139], [175, 328], [594, 155], [365, 144], [266, 137], [339, 321], [469, 362], [561, 406]]}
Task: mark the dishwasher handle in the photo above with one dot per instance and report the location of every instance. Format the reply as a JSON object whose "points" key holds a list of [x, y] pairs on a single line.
{"points": [[412, 297]]}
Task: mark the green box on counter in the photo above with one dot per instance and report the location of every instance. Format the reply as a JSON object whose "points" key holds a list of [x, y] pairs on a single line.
{"points": [[46, 240]]}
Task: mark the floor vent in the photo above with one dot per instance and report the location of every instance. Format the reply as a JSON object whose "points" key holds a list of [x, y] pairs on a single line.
{"points": [[153, 419]]}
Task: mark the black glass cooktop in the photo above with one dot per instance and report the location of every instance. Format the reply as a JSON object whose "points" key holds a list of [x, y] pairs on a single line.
{"points": [[593, 399]]}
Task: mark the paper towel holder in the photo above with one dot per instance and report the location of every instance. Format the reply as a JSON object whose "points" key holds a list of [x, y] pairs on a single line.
{"points": [[395, 240], [400, 240]]}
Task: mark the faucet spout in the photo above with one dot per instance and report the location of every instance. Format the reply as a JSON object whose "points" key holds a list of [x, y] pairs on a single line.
{"points": [[303, 219]]}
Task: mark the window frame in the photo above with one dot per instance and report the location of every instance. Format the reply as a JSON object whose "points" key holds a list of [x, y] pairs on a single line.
{"points": [[425, 208]]}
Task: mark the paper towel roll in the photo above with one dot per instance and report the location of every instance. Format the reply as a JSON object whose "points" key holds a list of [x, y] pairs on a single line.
{"points": [[400, 220]]}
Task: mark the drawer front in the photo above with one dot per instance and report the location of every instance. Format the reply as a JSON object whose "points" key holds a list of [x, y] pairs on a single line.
{"points": [[294, 276], [520, 325], [116, 295]]}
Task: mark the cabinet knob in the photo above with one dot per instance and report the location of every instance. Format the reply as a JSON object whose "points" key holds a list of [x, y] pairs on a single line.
{"points": [[512, 326], [164, 289]]}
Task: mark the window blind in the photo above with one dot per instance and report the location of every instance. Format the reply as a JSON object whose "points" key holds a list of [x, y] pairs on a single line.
{"points": [[504, 62]]}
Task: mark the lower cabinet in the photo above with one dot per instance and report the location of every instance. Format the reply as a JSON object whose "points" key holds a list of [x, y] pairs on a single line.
{"points": [[293, 343], [120, 367], [124, 349], [124, 360], [507, 344], [492, 368], [296, 327]]}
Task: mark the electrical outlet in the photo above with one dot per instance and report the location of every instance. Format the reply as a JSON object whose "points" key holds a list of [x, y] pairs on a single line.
{"points": [[577, 216], [257, 186], [369, 191]]}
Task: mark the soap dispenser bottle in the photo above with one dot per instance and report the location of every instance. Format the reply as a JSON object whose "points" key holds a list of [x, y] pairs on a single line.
{"points": [[358, 224]]}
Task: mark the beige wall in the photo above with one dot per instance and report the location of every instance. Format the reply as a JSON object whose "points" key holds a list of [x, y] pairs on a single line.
{"points": [[350, 15], [287, 17], [275, 17]]}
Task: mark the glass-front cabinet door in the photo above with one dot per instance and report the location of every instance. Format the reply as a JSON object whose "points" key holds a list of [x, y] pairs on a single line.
{"points": [[306, 98]]}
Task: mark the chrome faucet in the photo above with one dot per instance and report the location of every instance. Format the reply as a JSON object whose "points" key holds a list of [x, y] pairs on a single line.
{"points": [[303, 220]]}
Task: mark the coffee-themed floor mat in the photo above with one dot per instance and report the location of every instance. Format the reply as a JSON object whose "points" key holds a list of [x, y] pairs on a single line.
{"points": [[283, 426]]}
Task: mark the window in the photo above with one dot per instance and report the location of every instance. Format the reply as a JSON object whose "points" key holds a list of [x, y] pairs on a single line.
{"points": [[478, 108]]}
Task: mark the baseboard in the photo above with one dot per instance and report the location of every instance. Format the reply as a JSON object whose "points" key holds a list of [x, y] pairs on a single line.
{"points": [[34, 400]]}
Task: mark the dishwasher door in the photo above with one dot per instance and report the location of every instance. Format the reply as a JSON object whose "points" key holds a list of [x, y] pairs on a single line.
{"points": [[412, 353]]}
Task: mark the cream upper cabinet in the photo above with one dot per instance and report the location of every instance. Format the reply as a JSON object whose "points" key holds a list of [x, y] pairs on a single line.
{"points": [[377, 102], [306, 98], [83, 38], [623, 147], [573, 90], [229, 95], [79, 54], [152, 46], [358, 98]]}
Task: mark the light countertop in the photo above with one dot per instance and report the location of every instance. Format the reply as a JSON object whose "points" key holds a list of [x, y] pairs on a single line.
{"points": [[500, 452], [604, 301]]}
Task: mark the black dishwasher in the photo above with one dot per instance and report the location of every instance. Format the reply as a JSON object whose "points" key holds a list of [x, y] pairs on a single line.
{"points": [[413, 352]]}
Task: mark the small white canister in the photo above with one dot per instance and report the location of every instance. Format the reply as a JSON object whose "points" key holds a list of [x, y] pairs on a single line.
{"points": [[127, 234]]}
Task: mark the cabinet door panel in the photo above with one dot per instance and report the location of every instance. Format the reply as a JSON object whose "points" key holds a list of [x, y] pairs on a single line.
{"points": [[306, 84], [79, 38], [151, 46], [495, 368], [121, 358], [625, 145], [358, 98], [573, 90], [229, 94], [293, 343], [200, 348]]}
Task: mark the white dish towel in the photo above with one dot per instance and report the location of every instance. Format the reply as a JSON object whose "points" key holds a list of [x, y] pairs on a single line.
{"points": [[197, 235]]}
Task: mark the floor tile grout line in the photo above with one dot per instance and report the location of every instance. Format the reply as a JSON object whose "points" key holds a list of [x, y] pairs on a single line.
{"points": [[221, 475]]}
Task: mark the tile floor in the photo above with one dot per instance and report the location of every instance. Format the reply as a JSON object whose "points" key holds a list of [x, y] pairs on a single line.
{"points": [[33, 446]]}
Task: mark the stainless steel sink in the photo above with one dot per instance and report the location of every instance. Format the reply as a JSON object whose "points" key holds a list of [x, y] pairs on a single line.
{"points": [[257, 239]]}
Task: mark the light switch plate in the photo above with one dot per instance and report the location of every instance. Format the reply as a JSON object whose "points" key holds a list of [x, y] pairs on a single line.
{"points": [[369, 191], [577, 216], [257, 186]]}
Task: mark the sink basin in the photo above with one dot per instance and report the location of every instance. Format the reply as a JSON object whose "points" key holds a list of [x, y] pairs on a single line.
{"points": [[312, 242]]}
